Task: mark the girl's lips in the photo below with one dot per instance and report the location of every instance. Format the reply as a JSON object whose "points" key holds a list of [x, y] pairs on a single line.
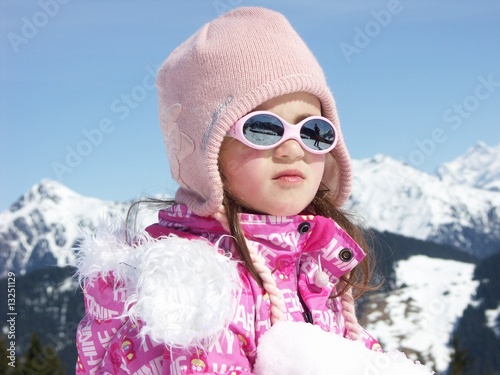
{"points": [[290, 175], [289, 179]]}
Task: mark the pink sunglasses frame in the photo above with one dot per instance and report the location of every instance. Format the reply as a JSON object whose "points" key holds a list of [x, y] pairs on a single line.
{"points": [[290, 132]]}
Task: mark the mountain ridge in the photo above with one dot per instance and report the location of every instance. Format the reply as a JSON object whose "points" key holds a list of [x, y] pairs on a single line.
{"points": [[394, 197], [42, 227], [463, 170]]}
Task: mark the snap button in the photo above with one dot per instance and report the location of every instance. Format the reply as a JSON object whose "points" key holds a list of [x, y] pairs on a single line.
{"points": [[345, 255], [304, 227]]}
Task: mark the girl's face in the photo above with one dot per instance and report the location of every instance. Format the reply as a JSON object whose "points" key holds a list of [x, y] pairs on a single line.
{"points": [[280, 181]]}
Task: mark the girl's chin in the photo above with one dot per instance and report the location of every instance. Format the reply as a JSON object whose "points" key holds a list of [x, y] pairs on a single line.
{"points": [[289, 211]]}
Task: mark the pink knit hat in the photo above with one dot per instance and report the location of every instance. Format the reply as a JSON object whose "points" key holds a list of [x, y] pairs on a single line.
{"points": [[226, 69]]}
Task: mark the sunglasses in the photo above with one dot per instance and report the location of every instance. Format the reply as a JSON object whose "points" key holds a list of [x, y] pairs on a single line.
{"points": [[264, 130]]}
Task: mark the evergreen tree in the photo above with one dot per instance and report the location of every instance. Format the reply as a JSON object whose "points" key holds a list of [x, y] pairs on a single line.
{"points": [[459, 358], [5, 359], [41, 359]]}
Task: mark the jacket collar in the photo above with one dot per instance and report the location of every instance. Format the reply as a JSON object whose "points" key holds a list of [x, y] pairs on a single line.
{"points": [[320, 237]]}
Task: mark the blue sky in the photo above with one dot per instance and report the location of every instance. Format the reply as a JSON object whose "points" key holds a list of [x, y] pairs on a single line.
{"points": [[416, 80]]}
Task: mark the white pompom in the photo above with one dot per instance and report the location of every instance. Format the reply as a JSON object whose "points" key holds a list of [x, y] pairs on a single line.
{"points": [[321, 279], [297, 348], [182, 292], [186, 291]]}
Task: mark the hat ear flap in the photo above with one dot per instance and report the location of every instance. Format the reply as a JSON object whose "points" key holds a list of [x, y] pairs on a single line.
{"points": [[179, 145]]}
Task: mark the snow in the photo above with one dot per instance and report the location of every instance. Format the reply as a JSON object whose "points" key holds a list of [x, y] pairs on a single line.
{"points": [[419, 316], [394, 197], [492, 318], [48, 219], [464, 170], [69, 284], [51, 212]]}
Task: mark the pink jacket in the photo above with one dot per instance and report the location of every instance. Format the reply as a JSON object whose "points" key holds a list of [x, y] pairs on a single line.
{"points": [[110, 342]]}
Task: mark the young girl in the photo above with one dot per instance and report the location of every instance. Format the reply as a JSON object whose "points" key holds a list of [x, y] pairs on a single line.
{"points": [[255, 240]]}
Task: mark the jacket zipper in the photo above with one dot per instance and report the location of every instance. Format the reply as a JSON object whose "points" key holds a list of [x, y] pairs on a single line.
{"points": [[306, 314]]}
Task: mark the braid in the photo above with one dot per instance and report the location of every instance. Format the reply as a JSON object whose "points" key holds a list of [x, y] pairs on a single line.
{"points": [[278, 309], [351, 322], [232, 211], [254, 264]]}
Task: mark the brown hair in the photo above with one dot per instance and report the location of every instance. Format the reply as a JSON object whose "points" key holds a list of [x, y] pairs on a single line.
{"points": [[359, 278]]}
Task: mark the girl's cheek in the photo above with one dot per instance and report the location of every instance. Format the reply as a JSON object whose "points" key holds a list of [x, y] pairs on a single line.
{"points": [[244, 163], [241, 159], [231, 167]]}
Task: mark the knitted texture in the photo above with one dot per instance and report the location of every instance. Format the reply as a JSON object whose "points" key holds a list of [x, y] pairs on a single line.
{"points": [[225, 70]]}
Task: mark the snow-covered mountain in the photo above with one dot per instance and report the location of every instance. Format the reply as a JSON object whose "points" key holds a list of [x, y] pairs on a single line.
{"points": [[397, 198], [42, 227], [420, 314], [479, 167]]}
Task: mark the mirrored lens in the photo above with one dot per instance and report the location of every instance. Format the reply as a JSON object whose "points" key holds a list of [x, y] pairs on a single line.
{"points": [[317, 134], [263, 130]]}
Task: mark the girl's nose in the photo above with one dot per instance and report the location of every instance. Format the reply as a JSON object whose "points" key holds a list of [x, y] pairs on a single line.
{"points": [[290, 149]]}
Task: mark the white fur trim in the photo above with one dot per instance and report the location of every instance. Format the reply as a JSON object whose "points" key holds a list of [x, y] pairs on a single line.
{"points": [[295, 348], [103, 252], [183, 292]]}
